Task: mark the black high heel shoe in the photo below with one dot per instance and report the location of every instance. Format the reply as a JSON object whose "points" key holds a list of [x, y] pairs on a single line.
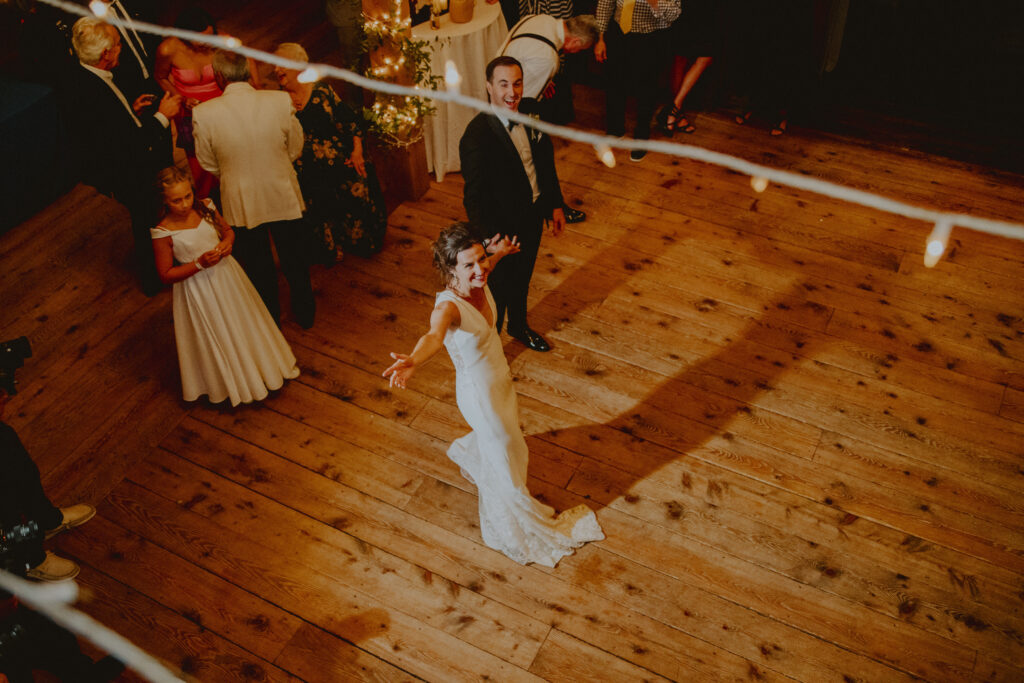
{"points": [[678, 122]]}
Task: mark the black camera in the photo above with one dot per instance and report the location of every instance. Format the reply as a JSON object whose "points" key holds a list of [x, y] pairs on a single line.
{"points": [[14, 554], [12, 356], [16, 546], [12, 637]]}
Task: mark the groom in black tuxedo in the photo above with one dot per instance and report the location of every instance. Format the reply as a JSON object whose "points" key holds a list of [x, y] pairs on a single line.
{"points": [[511, 188]]}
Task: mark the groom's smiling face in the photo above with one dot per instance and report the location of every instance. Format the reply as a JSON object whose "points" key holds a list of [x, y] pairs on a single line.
{"points": [[506, 87]]}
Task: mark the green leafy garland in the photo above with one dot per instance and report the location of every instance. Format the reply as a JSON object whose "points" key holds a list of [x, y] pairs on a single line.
{"points": [[397, 119]]}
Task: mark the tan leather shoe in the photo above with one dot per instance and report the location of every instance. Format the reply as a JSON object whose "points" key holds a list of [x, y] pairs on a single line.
{"points": [[53, 568], [73, 516]]}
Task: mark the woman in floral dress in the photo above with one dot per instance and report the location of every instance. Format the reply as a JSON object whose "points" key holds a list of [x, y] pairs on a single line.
{"points": [[344, 202]]}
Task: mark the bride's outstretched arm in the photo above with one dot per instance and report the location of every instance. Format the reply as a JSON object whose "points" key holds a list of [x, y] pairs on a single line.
{"points": [[444, 316]]}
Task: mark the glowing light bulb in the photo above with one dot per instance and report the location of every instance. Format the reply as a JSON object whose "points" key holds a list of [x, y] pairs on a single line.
{"points": [[99, 8], [606, 155], [452, 78], [309, 75], [758, 183], [937, 242], [231, 41]]}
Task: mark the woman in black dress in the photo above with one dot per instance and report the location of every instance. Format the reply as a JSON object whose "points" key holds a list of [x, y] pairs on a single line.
{"points": [[344, 202]]}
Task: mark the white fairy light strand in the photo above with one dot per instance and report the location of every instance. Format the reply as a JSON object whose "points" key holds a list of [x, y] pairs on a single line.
{"points": [[53, 600], [452, 79], [937, 242], [309, 75], [794, 180], [605, 154]]}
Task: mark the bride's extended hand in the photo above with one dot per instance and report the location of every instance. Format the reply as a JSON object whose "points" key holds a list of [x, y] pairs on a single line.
{"points": [[400, 371], [503, 246]]}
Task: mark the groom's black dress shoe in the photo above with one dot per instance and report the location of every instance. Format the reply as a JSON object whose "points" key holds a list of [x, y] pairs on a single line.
{"points": [[574, 215], [530, 339]]}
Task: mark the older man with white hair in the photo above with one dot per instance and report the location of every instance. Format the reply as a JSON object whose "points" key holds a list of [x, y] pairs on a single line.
{"points": [[119, 141], [249, 139], [138, 47]]}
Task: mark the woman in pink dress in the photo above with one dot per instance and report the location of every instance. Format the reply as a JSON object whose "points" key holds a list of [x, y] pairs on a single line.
{"points": [[186, 68]]}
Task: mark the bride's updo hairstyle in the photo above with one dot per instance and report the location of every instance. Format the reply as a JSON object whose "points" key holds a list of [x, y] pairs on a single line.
{"points": [[454, 239]]}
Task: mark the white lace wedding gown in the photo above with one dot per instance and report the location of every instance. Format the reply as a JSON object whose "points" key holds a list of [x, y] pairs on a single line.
{"points": [[494, 455], [228, 345]]}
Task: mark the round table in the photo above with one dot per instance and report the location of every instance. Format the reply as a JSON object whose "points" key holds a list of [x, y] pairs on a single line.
{"points": [[470, 47]]}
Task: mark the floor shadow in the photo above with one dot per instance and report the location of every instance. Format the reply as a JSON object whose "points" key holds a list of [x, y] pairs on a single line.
{"points": [[714, 397]]}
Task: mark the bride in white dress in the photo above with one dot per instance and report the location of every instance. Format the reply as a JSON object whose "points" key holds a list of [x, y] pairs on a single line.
{"points": [[494, 455], [228, 345]]}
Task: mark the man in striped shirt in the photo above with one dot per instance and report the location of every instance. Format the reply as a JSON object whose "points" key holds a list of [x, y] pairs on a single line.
{"points": [[559, 9], [632, 42], [514, 10]]}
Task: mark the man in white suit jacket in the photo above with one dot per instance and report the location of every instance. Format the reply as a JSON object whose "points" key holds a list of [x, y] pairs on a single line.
{"points": [[249, 139]]}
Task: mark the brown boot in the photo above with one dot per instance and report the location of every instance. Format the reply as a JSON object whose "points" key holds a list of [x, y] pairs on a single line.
{"points": [[53, 568], [73, 516]]}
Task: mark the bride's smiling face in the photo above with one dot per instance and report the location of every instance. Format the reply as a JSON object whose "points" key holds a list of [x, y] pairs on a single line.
{"points": [[471, 269]]}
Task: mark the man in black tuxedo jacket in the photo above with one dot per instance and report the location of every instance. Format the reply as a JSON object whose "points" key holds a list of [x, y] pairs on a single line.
{"points": [[511, 188], [118, 145]]}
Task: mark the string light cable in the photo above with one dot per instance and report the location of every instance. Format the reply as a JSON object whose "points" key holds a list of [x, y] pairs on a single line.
{"points": [[53, 600], [761, 175]]}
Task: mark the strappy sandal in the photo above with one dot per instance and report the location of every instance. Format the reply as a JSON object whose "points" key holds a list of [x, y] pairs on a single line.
{"points": [[676, 120], [779, 128], [744, 117]]}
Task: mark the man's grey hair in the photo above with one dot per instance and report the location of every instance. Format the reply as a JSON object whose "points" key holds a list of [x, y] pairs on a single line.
{"points": [[583, 26], [90, 37], [231, 66]]}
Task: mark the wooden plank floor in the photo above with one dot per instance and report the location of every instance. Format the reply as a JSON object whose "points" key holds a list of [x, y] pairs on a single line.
{"points": [[805, 448]]}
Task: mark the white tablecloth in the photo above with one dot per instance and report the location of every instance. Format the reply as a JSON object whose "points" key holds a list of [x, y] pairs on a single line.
{"points": [[470, 46]]}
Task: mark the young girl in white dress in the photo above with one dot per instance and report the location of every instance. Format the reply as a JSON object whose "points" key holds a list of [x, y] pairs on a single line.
{"points": [[228, 345], [494, 455]]}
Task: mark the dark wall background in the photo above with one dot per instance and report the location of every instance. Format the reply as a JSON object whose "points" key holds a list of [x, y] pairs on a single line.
{"points": [[938, 59], [951, 69]]}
